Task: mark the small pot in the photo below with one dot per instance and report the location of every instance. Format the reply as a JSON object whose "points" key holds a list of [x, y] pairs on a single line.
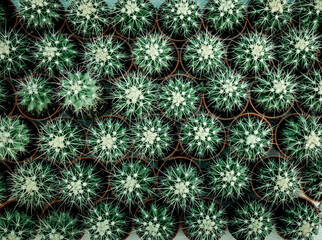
{"points": [[303, 189], [10, 104]]}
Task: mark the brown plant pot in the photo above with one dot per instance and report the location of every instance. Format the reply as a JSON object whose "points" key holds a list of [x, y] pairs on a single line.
{"points": [[213, 156], [10, 104], [302, 186]]}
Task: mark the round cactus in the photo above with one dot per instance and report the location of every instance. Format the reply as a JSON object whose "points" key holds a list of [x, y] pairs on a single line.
{"points": [[308, 13]]}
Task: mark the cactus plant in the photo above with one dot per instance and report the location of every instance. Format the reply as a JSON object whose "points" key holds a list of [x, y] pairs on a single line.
{"points": [[61, 140], [133, 18], [154, 137], [154, 55], [88, 18], [202, 136], [301, 138], [227, 177], [250, 54], [250, 136], [308, 13], [107, 219], [274, 92], [155, 221], [270, 16], [15, 138], [109, 138], [133, 96], [34, 184], [179, 19], [132, 180], [178, 97], [311, 180], [276, 180], [205, 221], [107, 57], [203, 54]]}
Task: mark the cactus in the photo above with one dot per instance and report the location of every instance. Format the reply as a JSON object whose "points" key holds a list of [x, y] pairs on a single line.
{"points": [[251, 221], [55, 53], [228, 177], [154, 55], [133, 96], [154, 137], [155, 221], [298, 49], [205, 221], [301, 138], [274, 92], [109, 139], [61, 140], [308, 13], [15, 137], [34, 185], [178, 97], [179, 18], [226, 93], [250, 54], [312, 176], [107, 220], [132, 180], [88, 18], [133, 18], [202, 136], [270, 16], [310, 92], [35, 94], [203, 55], [276, 180], [107, 57]]}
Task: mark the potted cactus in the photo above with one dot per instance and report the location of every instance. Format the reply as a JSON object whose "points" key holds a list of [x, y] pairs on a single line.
{"points": [[132, 180], [133, 18], [308, 13], [155, 137], [274, 179], [108, 57], [179, 97], [202, 137], [226, 19], [109, 138], [202, 55], [180, 181], [7, 98], [62, 140], [155, 56], [155, 220], [108, 219], [273, 93], [250, 136], [88, 18], [311, 180], [205, 221], [179, 19], [226, 94]]}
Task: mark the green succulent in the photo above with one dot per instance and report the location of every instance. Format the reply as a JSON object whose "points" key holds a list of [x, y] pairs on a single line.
{"points": [[308, 13], [312, 180], [203, 55], [134, 18], [88, 18]]}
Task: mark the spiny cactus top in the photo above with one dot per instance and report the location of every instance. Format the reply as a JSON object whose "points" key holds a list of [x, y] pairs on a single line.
{"points": [[312, 180], [203, 54], [308, 13], [202, 136], [109, 138], [179, 97], [132, 180], [179, 19], [88, 18], [270, 16], [250, 136], [205, 221], [133, 18], [15, 137], [155, 221]]}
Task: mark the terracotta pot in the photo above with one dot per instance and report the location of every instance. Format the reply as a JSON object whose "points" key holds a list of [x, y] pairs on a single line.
{"points": [[8, 108], [303, 189], [220, 148]]}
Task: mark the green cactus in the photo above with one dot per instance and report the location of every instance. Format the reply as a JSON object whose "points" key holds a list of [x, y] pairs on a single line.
{"points": [[88, 18], [203, 55], [205, 221], [133, 18], [308, 13], [132, 180], [312, 176], [202, 136]]}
